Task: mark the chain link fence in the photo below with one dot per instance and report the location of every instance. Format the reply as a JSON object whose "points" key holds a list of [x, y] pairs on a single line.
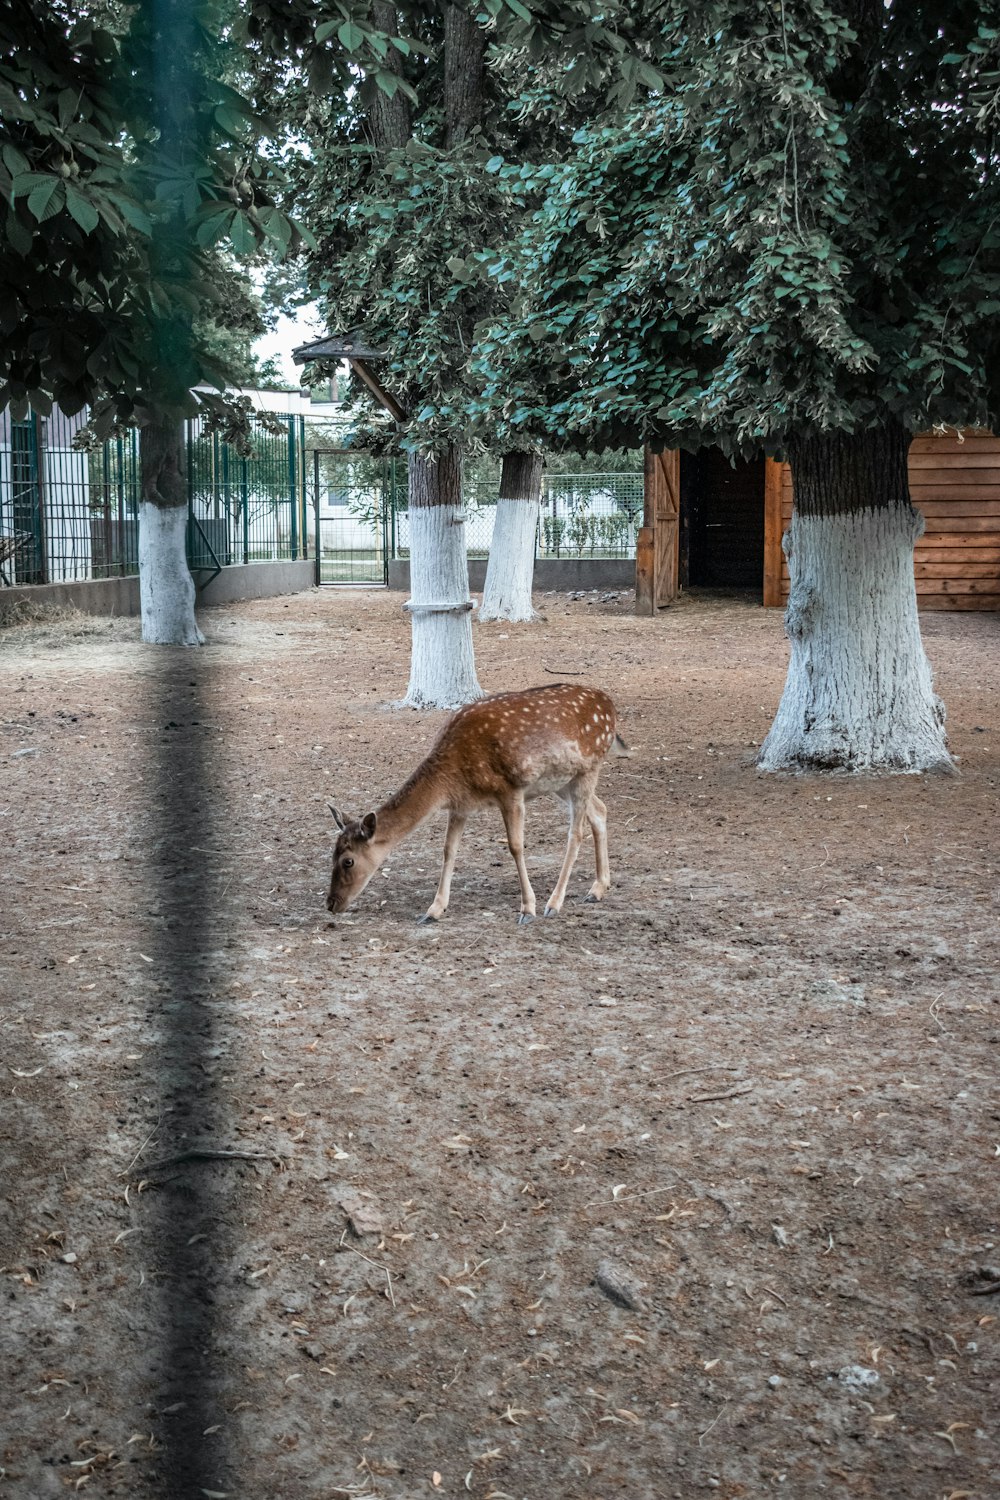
{"points": [[581, 515]]}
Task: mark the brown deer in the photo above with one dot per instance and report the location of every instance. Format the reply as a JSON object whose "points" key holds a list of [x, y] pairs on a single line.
{"points": [[501, 750]]}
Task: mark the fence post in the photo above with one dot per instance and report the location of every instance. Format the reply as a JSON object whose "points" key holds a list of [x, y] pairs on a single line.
{"points": [[301, 498], [316, 516], [245, 505], [291, 488]]}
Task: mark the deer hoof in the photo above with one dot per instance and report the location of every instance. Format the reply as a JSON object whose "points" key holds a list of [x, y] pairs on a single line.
{"points": [[525, 918], [552, 911], [425, 919], [591, 900]]}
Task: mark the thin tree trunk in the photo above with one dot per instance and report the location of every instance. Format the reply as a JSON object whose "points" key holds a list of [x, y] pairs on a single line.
{"points": [[859, 694], [166, 588], [507, 594], [389, 118], [442, 666], [464, 71]]}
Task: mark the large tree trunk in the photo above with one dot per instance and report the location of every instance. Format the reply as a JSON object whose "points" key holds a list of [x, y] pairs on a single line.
{"points": [[507, 594], [166, 588], [858, 696], [442, 666]]}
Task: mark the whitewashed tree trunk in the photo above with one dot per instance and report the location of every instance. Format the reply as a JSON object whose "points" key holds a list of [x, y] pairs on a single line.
{"points": [[859, 694], [511, 566], [166, 588], [442, 664]]}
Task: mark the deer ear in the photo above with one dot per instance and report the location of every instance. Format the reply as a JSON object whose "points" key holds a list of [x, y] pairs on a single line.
{"points": [[338, 818], [368, 825]]}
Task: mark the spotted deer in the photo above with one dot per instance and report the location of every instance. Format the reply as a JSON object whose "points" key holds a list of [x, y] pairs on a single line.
{"points": [[501, 750]]}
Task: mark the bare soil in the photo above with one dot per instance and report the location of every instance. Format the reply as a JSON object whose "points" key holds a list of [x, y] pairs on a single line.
{"points": [[752, 1095]]}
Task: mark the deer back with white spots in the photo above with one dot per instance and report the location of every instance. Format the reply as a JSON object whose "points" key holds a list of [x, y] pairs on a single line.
{"points": [[499, 751]]}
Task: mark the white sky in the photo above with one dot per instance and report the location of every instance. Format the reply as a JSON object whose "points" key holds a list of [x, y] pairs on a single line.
{"points": [[288, 332]]}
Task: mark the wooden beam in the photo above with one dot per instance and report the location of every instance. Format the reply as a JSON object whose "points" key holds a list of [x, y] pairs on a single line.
{"points": [[382, 396], [773, 477], [645, 567]]}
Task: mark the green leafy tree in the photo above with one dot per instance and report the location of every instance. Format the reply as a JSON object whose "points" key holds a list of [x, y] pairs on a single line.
{"points": [[126, 161], [399, 184], [794, 247]]}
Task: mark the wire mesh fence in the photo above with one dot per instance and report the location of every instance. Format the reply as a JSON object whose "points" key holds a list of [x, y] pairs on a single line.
{"points": [[245, 508], [593, 515], [70, 514], [298, 492], [351, 495]]}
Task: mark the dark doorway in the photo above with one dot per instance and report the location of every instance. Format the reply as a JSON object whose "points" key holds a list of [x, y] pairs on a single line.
{"points": [[722, 521]]}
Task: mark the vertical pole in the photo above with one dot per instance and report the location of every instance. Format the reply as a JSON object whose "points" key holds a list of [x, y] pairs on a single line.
{"points": [[292, 495], [123, 549], [301, 498], [319, 546], [189, 443], [386, 503], [227, 499], [245, 507]]}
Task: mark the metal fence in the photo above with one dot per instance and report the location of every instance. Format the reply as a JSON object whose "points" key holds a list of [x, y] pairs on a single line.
{"points": [[245, 508], [581, 515], [300, 492], [66, 514], [353, 508]]}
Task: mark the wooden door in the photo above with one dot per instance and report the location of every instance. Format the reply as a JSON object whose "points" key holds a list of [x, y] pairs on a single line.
{"points": [[656, 552]]}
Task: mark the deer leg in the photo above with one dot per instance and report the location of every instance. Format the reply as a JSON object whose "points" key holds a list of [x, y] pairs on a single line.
{"points": [[578, 794], [513, 817], [597, 817], [452, 838]]}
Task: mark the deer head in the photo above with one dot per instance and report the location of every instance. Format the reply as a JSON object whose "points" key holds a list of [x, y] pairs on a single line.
{"points": [[354, 860]]}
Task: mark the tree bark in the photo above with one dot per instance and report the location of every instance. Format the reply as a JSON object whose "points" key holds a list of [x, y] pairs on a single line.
{"points": [[859, 693], [507, 594], [464, 72], [442, 665], [389, 118], [166, 588]]}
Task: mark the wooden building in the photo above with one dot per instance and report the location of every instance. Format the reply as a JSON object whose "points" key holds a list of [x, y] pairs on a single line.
{"points": [[710, 524]]}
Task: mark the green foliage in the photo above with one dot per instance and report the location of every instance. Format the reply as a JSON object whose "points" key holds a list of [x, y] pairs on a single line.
{"points": [[405, 237], [127, 161], [802, 231]]}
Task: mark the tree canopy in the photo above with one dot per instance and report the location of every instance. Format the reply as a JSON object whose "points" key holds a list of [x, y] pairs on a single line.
{"points": [[799, 232], [397, 177], [131, 176]]}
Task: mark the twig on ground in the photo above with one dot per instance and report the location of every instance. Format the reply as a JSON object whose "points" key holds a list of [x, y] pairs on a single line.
{"points": [[708, 1429], [197, 1154], [562, 672], [378, 1264], [707, 1068], [141, 1149], [741, 1088]]}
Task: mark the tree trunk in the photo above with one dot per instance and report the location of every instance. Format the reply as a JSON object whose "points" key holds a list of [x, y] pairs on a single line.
{"points": [[389, 118], [166, 588], [507, 595], [442, 666], [464, 72], [858, 695]]}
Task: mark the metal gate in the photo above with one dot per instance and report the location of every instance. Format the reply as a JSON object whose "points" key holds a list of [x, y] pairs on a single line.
{"points": [[352, 509], [26, 501]]}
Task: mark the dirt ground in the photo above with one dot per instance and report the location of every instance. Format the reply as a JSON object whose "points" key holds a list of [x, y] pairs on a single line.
{"points": [[691, 1192]]}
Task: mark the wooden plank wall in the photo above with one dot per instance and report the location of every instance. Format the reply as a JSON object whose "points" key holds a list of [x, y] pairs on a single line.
{"points": [[956, 485]]}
